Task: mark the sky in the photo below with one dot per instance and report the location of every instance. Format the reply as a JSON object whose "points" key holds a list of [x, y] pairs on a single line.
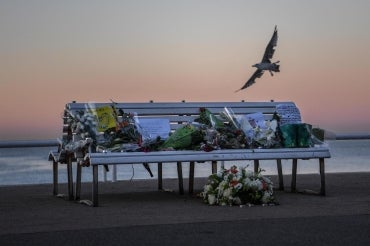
{"points": [[55, 52]]}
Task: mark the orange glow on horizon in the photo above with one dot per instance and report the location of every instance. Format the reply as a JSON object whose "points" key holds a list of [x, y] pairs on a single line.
{"points": [[169, 51]]}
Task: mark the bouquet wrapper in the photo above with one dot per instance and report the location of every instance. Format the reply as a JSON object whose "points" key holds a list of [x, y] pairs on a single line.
{"points": [[289, 135], [231, 116], [304, 135], [182, 138], [207, 118], [319, 134], [296, 135]]}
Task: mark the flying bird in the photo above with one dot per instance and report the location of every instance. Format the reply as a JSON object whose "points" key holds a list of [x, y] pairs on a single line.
{"points": [[265, 64]]}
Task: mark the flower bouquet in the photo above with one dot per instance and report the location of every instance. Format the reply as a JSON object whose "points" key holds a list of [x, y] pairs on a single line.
{"points": [[237, 187], [108, 129], [220, 132], [260, 133], [185, 137]]}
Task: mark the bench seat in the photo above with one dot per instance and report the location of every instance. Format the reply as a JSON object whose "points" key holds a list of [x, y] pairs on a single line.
{"points": [[113, 158]]}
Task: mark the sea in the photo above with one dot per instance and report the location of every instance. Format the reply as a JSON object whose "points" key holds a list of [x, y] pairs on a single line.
{"points": [[24, 166]]}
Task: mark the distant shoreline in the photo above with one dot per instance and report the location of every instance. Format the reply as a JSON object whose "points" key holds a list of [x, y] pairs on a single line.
{"points": [[345, 136], [329, 135]]}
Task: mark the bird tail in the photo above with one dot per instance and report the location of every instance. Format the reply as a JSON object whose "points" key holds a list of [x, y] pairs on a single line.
{"points": [[276, 68]]}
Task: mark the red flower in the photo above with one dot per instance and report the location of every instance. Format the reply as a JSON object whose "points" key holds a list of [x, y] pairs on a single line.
{"points": [[234, 183], [264, 185], [233, 170]]}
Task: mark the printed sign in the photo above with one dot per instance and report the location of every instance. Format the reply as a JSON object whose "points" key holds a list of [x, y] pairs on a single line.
{"points": [[151, 128]]}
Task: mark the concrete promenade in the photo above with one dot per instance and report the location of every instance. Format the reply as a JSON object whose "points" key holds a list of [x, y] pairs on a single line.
{"points": [[136, 213]]}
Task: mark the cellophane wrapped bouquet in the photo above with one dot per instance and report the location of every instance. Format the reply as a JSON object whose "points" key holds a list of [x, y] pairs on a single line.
{"points": [[107, 128]]}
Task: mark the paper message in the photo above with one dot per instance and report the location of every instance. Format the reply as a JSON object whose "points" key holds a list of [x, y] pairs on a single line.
{"points": [[151, 128]]}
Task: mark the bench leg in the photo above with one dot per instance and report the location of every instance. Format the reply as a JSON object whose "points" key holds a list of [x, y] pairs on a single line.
{"points": [[95, 186], [191, 177], [160, 177], [179, 174], [214, 166], [280, 173], [294, 175], [78, 181], [147, 167], [322, 175], [70, 177], [256, 165], [55, 178]]}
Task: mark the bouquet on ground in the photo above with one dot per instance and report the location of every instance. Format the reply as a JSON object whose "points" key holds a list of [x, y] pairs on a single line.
{"points": [[238, 187]]}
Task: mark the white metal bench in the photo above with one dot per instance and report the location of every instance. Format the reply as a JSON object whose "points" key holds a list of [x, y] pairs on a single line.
{"points": [[179, 114]]}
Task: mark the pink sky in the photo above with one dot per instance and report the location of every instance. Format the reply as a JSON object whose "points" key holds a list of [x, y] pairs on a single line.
{"points": [[53, 52]]}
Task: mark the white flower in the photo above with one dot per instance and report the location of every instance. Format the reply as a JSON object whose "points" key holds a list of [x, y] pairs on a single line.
{"points": [[223, 184], [208, 188], [247, 182], [237, 184], [227, 192], [211, 199], [257, 184], [266, 197]]}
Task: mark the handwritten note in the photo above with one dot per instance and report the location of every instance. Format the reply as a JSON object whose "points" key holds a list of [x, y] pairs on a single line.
{"points": [[289, 114]]}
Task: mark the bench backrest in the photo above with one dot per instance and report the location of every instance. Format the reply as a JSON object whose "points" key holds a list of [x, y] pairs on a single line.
{"points": [[178, 113]]}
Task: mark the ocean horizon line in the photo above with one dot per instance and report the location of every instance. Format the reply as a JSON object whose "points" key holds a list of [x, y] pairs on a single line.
{"points": [[49, 142]]}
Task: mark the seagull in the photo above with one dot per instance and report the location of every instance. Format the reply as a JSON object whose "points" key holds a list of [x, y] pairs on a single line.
{"points": [[265, 64]]}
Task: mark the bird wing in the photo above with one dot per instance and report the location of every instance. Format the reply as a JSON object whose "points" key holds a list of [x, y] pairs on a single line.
{"points": [[270, 49], [257, 74]]}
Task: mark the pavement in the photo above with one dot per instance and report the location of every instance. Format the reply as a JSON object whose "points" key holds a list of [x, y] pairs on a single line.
{"points": [[136, 213]]}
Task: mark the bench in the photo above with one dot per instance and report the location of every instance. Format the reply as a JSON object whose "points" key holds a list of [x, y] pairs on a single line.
{"points": [[178, 113]]}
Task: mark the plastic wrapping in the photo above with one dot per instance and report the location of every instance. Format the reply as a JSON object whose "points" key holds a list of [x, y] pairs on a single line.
{"points": [[289, 135], [209, 119], [231, 117], [185, 137], [110, 129], [296, 135], [259, 132]]}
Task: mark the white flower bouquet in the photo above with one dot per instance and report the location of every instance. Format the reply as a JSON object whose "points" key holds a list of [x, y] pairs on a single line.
{"points": [[238, 187]]}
